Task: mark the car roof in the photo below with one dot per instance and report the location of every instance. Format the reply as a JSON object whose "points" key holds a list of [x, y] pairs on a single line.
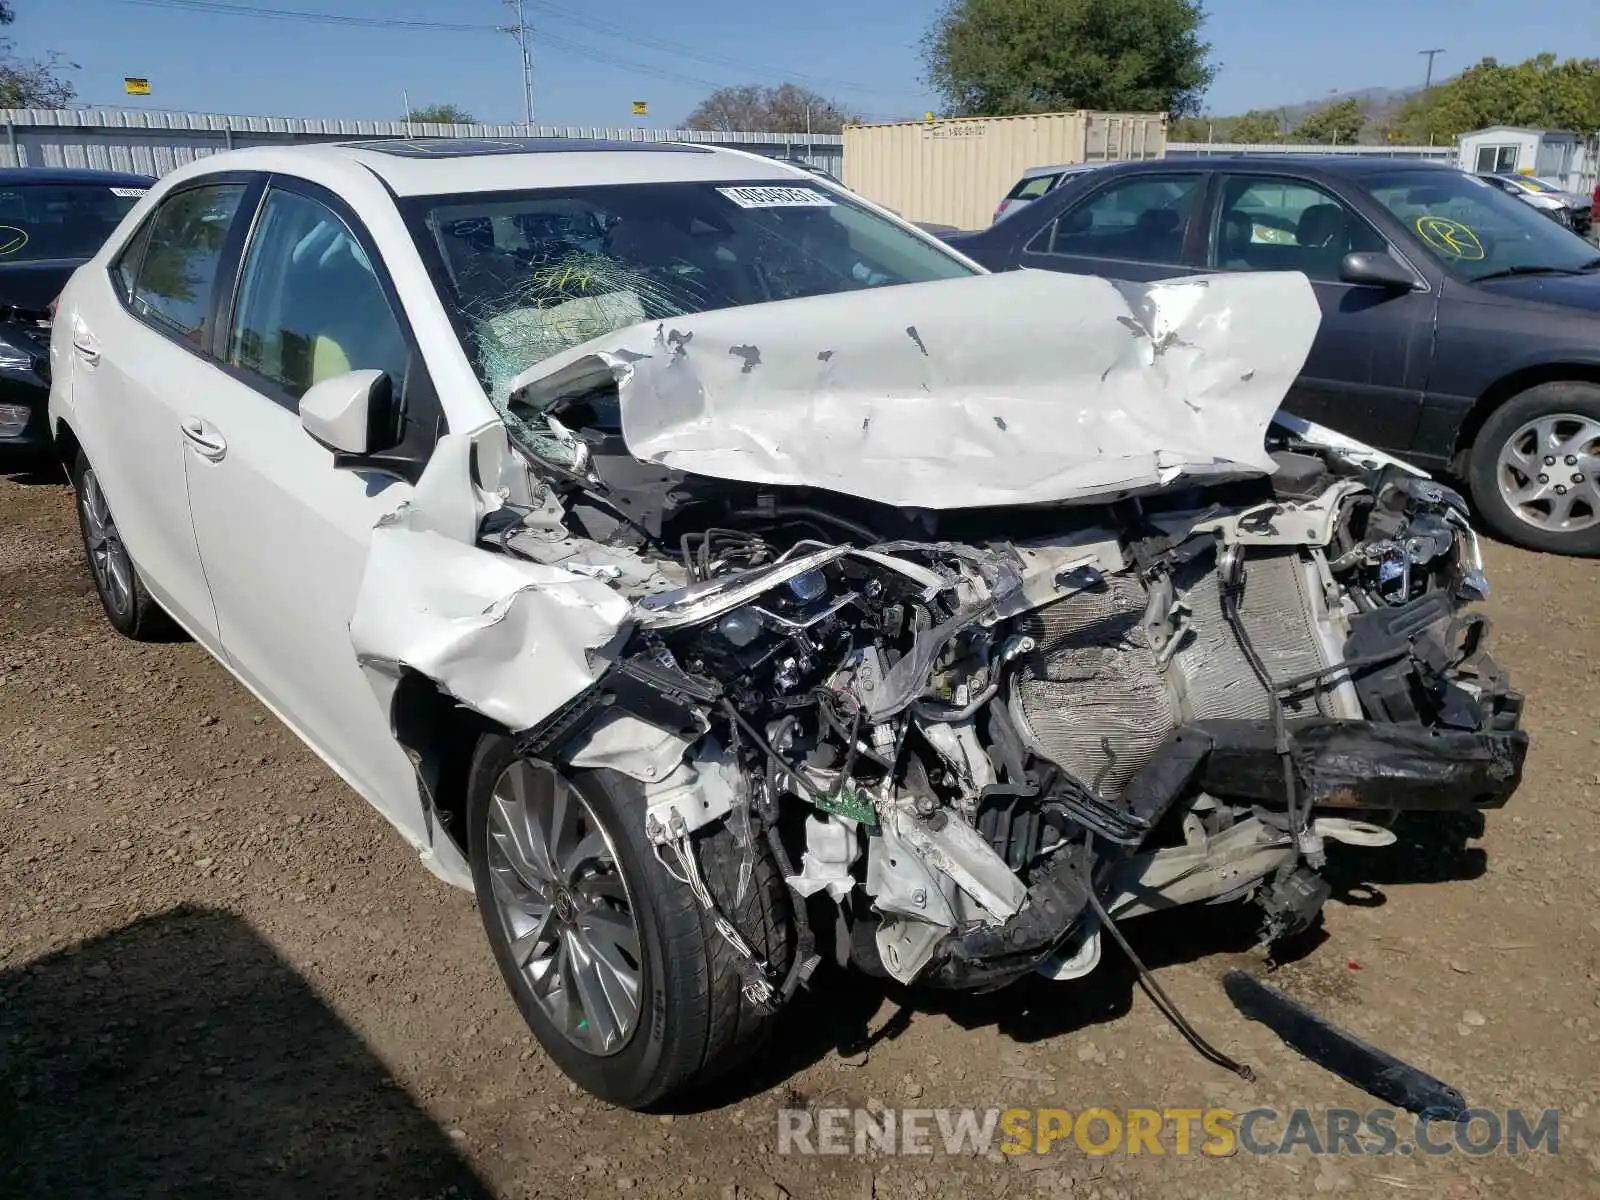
{"points": [[453, 166], [15, 176], [1340, 165]]}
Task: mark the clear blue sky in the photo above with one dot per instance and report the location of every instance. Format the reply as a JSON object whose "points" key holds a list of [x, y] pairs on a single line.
{"points": [[601, 56]]}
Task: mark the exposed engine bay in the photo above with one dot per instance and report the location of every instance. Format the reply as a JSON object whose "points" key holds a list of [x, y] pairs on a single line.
{"points": [[964, 723], [983, 637]]}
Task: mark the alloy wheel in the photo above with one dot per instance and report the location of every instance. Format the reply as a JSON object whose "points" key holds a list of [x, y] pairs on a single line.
{"points": [[113, 569], [1549, 472], [565, 907]]}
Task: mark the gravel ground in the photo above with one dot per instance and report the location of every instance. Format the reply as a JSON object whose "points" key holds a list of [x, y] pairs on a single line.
{"points": [[222, 974]]}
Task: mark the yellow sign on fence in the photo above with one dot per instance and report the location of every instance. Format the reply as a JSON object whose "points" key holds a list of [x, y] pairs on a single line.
{"points": [[135, 86], [640, 108]]}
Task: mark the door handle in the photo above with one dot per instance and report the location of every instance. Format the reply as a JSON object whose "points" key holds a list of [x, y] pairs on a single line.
{"points": [[204, 439], [87, 348]]}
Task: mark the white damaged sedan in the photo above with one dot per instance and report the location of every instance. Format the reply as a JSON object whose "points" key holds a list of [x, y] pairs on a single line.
{"points": [[718, 575]]}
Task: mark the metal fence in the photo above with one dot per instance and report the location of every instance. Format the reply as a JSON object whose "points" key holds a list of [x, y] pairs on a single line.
{"points": [[153, 143], [1208, 149]]}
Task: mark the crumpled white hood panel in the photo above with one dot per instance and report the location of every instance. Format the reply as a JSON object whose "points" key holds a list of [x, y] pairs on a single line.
{"points": [[1017, 388]]}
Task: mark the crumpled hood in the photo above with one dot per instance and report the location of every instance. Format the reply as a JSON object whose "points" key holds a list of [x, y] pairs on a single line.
{"points": [[1019, 388]]}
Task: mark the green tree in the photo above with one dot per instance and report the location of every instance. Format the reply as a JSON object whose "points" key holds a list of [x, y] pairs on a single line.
{"points": [[1000, 57], [31, 82], [1191, 129], [1257, 125], [1337, 124], [443, 114], [752, 108], [1541, 93]]}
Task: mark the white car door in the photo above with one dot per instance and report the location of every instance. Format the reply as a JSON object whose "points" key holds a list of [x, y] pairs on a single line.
{"points": [[139, 335], [283, 532]]}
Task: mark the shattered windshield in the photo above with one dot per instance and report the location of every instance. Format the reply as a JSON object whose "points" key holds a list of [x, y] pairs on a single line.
{"points": [[532, 273]]}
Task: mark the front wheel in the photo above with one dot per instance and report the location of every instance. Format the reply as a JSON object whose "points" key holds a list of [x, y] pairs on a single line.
{"points": [[615, 965], [1534, 470]]}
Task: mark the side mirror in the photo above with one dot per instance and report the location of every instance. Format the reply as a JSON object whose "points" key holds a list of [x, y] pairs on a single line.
{"points": [[347, 413], [1378, 269]]}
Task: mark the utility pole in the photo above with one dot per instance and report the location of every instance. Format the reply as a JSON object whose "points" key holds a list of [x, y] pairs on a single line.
{"points": [[1428, 54], [522, 34]]}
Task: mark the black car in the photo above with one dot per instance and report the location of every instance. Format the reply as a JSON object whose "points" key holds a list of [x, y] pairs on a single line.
{"points": [[1460, 328], [51, 221]]}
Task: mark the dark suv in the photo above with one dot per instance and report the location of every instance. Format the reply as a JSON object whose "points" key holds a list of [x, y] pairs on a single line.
{"points": [[1460, 328], [51, 222]]}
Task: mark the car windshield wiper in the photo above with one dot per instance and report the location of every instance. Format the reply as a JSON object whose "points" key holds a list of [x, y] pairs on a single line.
{"points": [[1527, 269]]}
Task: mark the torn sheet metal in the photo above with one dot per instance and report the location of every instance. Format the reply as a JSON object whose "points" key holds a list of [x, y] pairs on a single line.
{"points": [[1017, 388], [508, 638], [1357, 453]]}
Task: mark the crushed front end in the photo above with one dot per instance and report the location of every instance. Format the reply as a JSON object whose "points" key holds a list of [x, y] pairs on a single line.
{"points": [[959, 725], [981, 636]]}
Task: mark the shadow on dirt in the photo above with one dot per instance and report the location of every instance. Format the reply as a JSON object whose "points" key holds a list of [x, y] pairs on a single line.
{"points": [[180, 1056], [31, 470], [841, 1011], [1429, 848]]}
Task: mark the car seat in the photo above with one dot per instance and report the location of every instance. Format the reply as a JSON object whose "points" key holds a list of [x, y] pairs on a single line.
{"points": [[1234, 240], [1323, 234], [345, 322], [1157, 236]]}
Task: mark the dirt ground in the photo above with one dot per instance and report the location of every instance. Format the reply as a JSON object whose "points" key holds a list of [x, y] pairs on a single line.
{"points": [[222, 974]]}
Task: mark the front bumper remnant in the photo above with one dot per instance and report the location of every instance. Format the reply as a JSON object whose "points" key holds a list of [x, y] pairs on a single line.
{"points": [[1374, 1071]]}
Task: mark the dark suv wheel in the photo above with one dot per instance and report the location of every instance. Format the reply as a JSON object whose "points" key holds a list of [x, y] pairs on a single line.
{"points": [[1534, 470], [615, 965]]}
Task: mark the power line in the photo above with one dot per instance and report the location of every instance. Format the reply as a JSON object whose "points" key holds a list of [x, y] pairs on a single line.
{"points": [[682, 50], [576, 48], [318, 18]]}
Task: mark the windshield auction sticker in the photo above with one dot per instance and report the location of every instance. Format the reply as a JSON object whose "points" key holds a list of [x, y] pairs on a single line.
{"points": [[776, 197]]}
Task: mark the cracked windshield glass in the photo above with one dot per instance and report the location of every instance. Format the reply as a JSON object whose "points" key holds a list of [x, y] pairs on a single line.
{"points": [[533, 273]]}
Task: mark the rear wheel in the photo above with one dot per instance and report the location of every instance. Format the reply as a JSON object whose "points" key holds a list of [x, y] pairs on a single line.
{"points": [[1535, 469], [132, 611], [615, 965]]}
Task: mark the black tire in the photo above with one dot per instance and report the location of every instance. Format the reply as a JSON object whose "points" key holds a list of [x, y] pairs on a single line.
{"points": [[132, 610], [694, 1022], [1483, 466]]}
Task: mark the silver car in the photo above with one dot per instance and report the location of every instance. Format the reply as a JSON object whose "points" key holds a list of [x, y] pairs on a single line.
{"points": [[1036, 182], [1565, 208]]}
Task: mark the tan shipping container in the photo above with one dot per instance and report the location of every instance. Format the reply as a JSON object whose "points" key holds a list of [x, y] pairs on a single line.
{"points": [[956, 171]]}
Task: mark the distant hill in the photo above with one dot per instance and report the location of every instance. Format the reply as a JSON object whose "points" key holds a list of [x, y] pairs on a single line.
{"points": [[1373, 99], [1380, 104]]}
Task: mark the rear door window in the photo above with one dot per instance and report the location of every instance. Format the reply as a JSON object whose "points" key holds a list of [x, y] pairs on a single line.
{"points": [[1144, 218], [178, 270]]}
